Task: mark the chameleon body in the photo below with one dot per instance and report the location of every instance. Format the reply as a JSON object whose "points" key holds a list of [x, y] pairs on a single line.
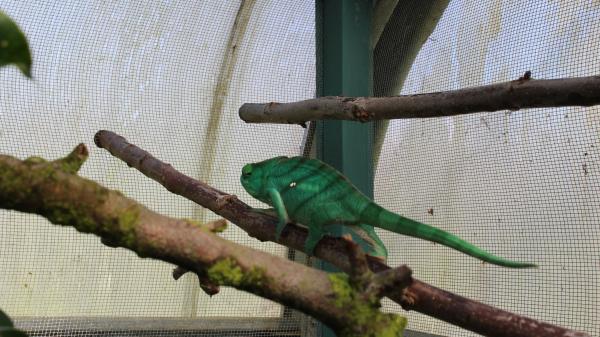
{"points": [[363, 235], [312, 193]]}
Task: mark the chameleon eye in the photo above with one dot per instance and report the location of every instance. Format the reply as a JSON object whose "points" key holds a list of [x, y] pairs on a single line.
{"points": [[247, 170]]}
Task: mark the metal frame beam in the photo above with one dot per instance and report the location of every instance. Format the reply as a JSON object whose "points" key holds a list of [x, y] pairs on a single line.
{"points": [[344, 67]]}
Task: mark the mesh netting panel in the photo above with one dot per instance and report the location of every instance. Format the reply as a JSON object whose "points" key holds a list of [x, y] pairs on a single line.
{"points": [[522, 184], [168, 76]]}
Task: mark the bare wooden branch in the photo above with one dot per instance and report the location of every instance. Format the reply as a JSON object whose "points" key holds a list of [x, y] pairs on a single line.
{"points": [[210, 288], [179, 272], [514, 95], [57, 193], [418, 296], [390, 280], [360, 273]]}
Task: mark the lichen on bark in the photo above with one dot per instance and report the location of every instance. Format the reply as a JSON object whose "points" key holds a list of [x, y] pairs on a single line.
{"points": [[228, 272], [364, 312]]}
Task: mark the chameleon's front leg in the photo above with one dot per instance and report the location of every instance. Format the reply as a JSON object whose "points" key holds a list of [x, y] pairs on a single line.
{"points": [[282, 214]]}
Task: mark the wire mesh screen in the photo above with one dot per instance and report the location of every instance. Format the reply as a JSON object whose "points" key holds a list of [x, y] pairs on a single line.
{"points": [[168, 76], [521, 184]]}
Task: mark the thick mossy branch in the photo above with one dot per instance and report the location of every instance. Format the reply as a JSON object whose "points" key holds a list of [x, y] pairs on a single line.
{"points": [[418, 296], [522, 93], [53, 190], [209, 287]]}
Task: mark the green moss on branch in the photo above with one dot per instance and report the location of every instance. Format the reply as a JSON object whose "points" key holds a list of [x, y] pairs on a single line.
{"points": [[364, 312], [228, 272]]}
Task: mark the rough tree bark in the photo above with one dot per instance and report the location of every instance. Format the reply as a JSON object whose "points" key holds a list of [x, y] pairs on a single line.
{"points": [[349, 305], [418, 296], [514, 95]]}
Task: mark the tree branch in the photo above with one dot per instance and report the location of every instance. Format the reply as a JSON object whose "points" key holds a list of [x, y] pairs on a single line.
{"points": [[210, 288], [360, 273], [390, 280], [54, 191], [418, 296], [513, 95]]}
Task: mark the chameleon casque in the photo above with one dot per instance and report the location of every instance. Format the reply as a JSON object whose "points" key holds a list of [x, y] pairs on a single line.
{"points": [[314, 194]]}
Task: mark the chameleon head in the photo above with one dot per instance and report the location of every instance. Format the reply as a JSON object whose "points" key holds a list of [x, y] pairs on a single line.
{"points": [[254, 177], [251, 179]]}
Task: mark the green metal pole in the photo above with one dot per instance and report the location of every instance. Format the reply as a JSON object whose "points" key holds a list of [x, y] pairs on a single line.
{"points": [[344, 59], [346, 69]]}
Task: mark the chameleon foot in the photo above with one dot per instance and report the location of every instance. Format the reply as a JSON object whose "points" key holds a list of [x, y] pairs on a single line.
{"points": [[314, 236]]}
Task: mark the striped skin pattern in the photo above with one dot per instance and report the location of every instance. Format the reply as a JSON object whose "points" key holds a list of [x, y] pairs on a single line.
{"points": [[310, 192]]}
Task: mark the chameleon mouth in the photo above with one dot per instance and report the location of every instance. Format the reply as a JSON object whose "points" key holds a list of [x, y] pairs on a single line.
{"points": [[247, 185], [247, 170], [250, 191]]}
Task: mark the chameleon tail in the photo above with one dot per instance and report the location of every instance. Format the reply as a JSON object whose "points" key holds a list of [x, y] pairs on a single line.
{"points": [[401, 225]]}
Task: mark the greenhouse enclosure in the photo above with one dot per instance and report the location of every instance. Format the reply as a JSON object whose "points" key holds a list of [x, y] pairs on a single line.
{"points": [[521, 182]]}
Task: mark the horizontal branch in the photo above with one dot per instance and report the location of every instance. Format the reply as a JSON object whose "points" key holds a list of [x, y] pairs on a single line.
{"points": [[418, 296], [523, 93], [53, 190]]}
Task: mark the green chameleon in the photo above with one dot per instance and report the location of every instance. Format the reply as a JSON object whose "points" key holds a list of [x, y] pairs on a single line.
{"points": [[312, 193]]}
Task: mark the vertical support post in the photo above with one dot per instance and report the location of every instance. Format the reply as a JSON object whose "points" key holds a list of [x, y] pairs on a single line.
{"points": [[344, 67]]}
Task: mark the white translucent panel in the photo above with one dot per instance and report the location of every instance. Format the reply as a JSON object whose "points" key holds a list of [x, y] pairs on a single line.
{"points": [[168, 76], [522, 185]]}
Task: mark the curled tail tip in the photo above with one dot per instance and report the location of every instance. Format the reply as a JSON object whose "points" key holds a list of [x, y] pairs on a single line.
{"points": [[517, 265], [529, 265]]}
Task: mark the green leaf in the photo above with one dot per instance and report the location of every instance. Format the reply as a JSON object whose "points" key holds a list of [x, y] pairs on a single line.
{"points": [[13, 46], [7, 328], [5, 321]]}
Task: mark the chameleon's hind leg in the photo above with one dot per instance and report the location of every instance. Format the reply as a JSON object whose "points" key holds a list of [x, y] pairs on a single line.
{"points": [[314, 236]]}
